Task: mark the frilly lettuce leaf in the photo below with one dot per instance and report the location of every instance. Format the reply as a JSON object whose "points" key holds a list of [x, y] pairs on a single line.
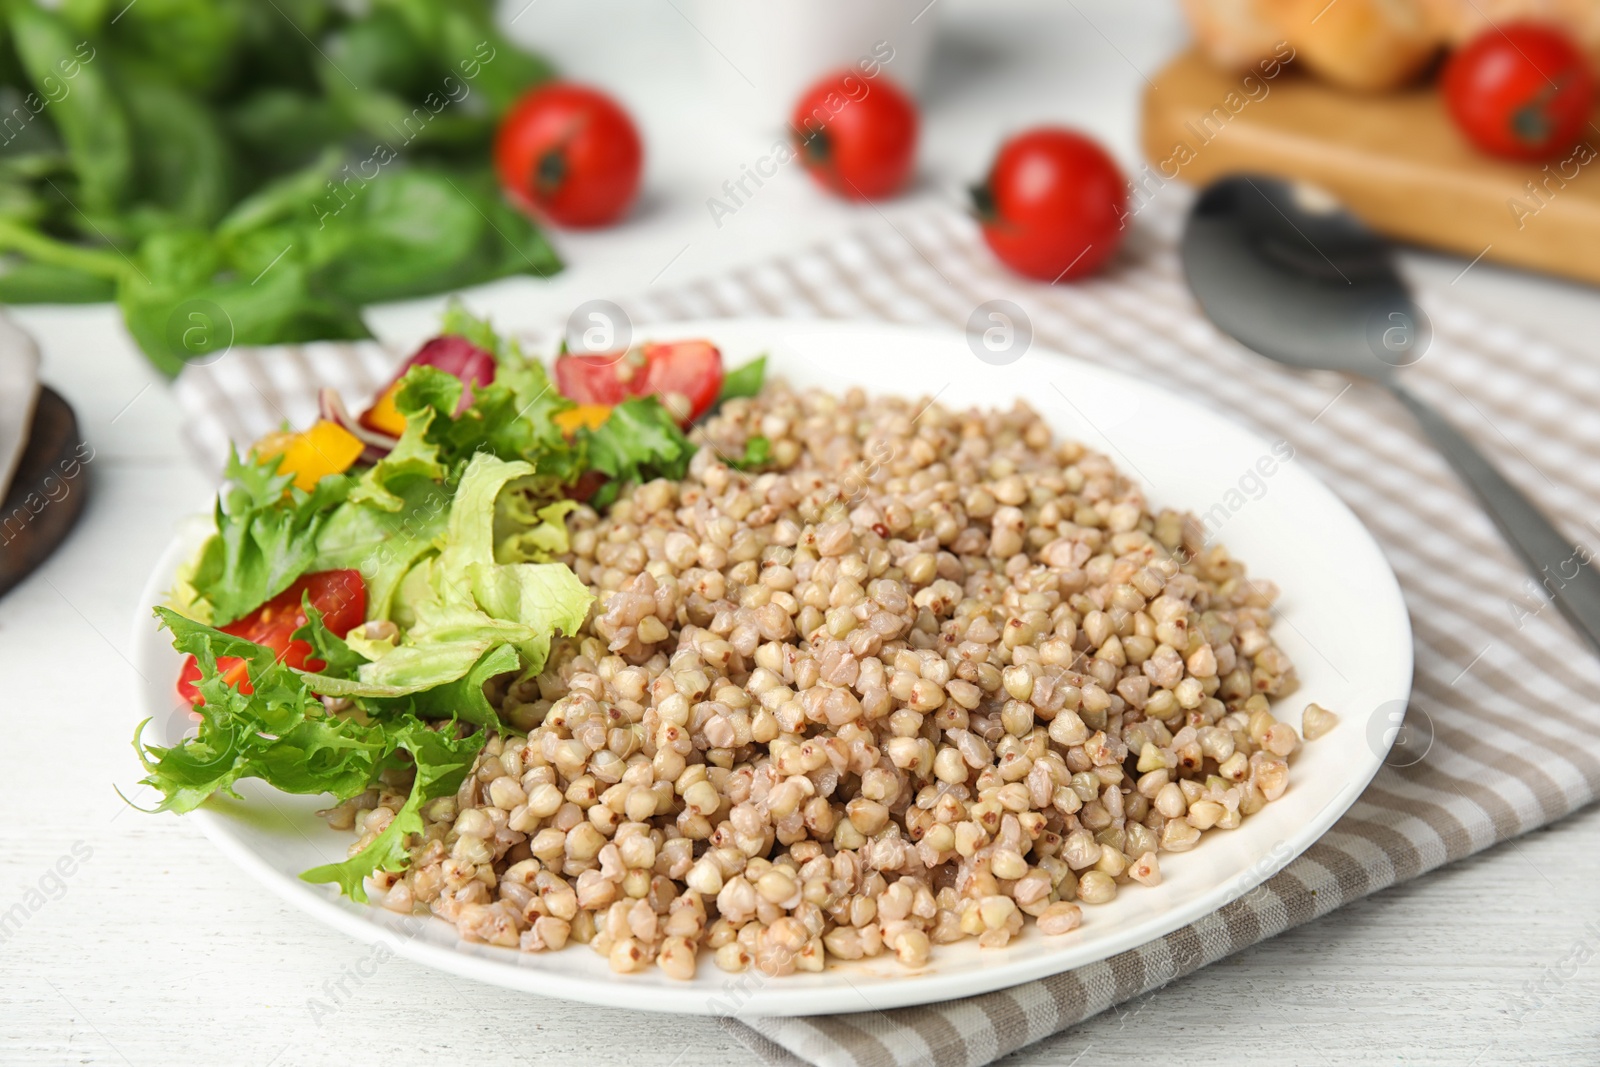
{"points": [[459, 321], [469, 534], [463, 699], [338, 658], [442, 647], [442, 763], [545, 597], [266, 536], [280, 733], [425, 392]]}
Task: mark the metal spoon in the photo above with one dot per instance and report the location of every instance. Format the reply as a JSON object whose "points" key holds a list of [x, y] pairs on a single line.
{"points": [[1286, 271]]}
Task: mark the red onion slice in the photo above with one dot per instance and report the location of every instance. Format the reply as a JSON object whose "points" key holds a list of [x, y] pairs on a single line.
{"points": [[331, 407]]}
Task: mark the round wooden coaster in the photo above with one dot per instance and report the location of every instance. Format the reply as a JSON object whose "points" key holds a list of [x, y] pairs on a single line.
{"points": [[49, 490]]}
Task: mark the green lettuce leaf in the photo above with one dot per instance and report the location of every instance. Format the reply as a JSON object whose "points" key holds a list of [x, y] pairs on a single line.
{"points": [[266, 536], [442, 763], [511, 418], [467, 604], [443, 646], [339, 659], [469, 535], [640, 440], [459, 322], [526, 529], [382, 543], [463, 699], [544, 597], [414, 457], [280, 733]]}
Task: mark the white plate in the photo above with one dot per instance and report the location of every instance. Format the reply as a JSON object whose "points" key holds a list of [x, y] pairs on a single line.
{"points": [[1344, 624]]}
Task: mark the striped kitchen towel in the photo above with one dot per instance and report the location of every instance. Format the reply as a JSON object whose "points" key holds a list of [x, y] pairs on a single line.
{"points": [[1503, 732]]}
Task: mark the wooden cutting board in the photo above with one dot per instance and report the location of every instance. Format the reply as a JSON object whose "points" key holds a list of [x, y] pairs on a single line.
{"points": [[1396, 160]]}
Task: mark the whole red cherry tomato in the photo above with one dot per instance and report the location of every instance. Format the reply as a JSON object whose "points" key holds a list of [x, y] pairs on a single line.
{"points": [[1052, 205], [856, 135], [340, 596], [687, 375], [569, 154], [1523, 91]]}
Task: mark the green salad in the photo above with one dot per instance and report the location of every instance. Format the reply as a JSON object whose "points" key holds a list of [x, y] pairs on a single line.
{"points": [[361, 588]]}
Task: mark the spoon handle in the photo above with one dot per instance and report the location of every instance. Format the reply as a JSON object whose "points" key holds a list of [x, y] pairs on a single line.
{"points": [[1563, 569]]}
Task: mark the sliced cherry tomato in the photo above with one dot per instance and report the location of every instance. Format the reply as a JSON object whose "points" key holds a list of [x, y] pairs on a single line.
{"points": [[687, 375], [450, 353], [569, 154], [1052, 205], [1522, 90], [856, 135], [340, 595]]}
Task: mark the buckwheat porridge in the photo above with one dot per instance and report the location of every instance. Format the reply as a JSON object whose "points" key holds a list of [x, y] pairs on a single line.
{"points": [[924, 675]]}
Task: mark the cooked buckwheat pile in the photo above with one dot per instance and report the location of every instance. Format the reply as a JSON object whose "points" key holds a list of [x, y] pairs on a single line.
{"points": [[924, 676]]}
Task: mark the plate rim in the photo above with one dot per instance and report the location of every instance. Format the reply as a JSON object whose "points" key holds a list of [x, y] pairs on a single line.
{"points": [[771, 999]]}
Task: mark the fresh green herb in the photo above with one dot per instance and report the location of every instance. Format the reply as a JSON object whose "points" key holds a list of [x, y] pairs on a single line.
{"points": [[745, 380], [442, 763], [213, 166], [640, 440], [280, 733], [757, 451]]}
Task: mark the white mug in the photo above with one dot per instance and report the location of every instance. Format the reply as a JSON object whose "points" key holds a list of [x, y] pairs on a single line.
{"points": [[760, 55]]}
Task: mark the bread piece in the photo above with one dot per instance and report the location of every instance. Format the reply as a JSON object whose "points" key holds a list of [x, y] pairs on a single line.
{"points": [[1367, 45], [1233, 33], [1458, 21]]}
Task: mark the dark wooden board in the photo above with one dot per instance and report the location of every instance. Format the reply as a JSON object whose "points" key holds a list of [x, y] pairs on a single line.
{"points": [[48, 493]]}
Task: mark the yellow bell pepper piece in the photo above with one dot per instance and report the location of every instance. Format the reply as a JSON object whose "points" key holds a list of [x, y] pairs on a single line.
{"points": [[384, 416], [327, 448], [584, 416]]}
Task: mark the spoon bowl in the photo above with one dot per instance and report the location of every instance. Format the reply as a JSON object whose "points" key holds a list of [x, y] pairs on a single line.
{"points": [[1283, 269]]}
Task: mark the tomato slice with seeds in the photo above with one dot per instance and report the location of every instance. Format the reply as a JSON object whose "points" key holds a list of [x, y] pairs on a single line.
{"points": [[340, 596], [691, 370]]}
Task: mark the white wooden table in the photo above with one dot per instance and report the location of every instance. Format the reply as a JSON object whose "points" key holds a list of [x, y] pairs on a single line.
{"points": [[154, 950]]}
